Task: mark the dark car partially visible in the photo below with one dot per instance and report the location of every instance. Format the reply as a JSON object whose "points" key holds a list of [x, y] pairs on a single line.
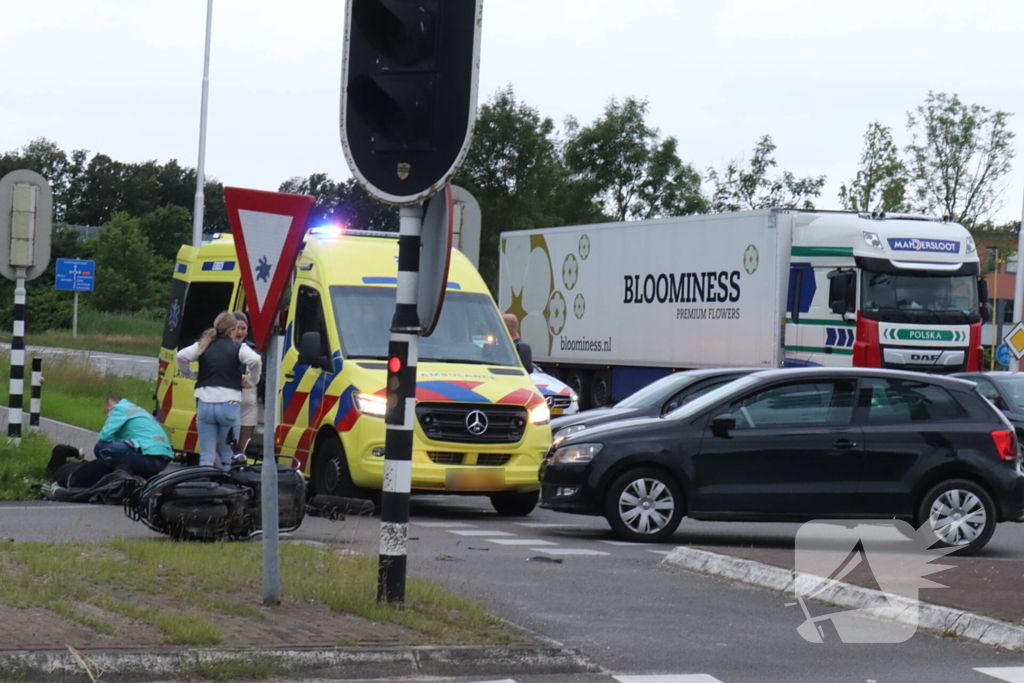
{"points": [[797, 445], [1005, 390]]}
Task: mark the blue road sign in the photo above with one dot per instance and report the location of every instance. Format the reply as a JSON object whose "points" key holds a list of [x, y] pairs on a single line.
{"points": [[75, 275], [1003, 355]]}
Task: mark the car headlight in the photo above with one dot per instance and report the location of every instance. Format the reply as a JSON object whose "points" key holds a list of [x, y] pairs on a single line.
{"points": [[567, 431], [584, 452], [540, 415], [872, 240], [368, 404]]}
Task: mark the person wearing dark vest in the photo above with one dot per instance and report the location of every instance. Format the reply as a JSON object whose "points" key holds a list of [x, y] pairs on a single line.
{"points": [[525, 352], [222, 364]]}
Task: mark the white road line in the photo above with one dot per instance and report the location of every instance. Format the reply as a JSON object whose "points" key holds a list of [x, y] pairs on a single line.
{"points": [[549, 525], [442, 525], [519, 541], [570, 551], [680, 678], [660, 552], [1013, 674], [501, 680], [478, 532], [41, 508], [623, 543]]}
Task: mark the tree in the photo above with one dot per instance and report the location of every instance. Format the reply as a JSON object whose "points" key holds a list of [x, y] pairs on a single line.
{"points": [[124, 261], [345, 203], [881, 182], [960, 158], [166, 229], [626, 164], [747, 189]]}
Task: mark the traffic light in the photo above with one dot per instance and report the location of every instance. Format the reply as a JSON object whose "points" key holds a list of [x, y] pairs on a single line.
{"points": [[408, 93]]}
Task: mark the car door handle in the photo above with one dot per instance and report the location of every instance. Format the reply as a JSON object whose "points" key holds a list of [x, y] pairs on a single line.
{"points": [[845, 444]]}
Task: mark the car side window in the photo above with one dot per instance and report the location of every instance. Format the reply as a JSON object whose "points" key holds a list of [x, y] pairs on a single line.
{"points": [[686, 395], [895, 401], [309, 317], [822, 402], [989, 391]]}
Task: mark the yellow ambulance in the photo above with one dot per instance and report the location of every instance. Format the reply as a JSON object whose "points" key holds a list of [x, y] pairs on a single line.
{"points": [[481, 427]]}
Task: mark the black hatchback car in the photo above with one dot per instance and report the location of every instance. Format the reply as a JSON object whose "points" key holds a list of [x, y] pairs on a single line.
{"points": [[1005, 390], [797, 445]]}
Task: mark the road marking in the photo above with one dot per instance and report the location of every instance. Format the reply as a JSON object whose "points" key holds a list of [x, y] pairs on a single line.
{"points": [[682, 678], [623, 543], [549, 525], [660, 552], [570, 551], [478, 532], [442, 525], [1013, 674], [519, 541], [41, 508], [500, 680]]}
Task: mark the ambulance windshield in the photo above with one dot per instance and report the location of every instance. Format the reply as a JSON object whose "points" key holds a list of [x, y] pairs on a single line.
{"points": [[469, 331]]}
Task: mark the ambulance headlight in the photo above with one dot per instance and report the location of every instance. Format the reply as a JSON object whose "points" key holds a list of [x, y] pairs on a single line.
{"points": [[540, 415], [368, 404], [873, 240]]}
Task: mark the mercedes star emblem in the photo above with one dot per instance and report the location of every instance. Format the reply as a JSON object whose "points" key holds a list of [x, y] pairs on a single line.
{"points": [[476, 422]]}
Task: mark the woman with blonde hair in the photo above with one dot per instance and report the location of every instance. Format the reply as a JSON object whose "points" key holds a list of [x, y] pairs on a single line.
{"points": [[222, 364]]}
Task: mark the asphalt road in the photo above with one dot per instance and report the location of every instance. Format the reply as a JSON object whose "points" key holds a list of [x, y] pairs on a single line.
{"points": [[615, 602]]}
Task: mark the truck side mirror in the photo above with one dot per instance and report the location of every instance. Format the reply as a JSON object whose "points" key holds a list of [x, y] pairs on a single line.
{"points": [[842, 291], [310, 352], [525, 355], [721, 425], [982, 291]]}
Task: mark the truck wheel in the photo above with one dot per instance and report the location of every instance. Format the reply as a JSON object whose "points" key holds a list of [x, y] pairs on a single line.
{"points": [[512, 504], [331, 475], [959, 514], [579, 382], [644, 505], [600, 389]]}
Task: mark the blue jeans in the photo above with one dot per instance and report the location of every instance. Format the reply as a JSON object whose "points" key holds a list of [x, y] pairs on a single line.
{"points": [[130, 458], [213, 420]]}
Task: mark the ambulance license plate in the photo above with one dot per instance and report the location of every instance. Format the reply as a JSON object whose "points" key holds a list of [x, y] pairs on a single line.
{"points": [[465, 479]]}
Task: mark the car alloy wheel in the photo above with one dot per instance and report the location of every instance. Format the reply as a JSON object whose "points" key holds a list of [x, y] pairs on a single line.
{"points": [[960, 515], [644, 505]]}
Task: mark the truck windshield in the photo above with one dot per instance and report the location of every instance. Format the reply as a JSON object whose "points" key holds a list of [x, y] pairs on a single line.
{"points": [[469, 331], [920, 298]]}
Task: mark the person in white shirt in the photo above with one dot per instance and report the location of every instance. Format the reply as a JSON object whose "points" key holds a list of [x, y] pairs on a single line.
{"points": [[222, 364]]}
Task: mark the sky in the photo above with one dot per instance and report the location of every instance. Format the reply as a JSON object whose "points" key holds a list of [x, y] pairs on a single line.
{"points": [[123, 77]]}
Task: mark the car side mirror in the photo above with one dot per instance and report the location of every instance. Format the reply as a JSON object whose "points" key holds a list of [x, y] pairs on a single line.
{"points": [[525, 355], [721, 425], [310, 352]]}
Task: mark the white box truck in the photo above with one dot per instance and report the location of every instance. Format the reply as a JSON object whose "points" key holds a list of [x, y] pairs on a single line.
{"points": [[610, 307]]}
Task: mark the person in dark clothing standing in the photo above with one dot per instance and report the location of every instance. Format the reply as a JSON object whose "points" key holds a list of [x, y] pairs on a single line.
{"points": [[222, 364], [525, 352]]}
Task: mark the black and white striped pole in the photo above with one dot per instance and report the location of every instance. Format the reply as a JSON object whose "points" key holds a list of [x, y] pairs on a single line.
{"points": [[35, 402], [17, 385], [403, 354]]}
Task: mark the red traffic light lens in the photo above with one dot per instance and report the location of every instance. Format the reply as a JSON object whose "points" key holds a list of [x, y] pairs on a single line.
{"points": [[394, 365]]}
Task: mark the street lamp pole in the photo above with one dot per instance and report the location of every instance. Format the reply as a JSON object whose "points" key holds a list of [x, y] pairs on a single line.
{"points": [[197, 210]]}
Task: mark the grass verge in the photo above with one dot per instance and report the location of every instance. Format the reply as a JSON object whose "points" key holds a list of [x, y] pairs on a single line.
{"points": [[185, 591], [22, 466], [74, 391], [116, 333]]}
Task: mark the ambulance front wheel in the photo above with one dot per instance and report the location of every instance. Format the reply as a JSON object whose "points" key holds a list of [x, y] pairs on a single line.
{"points": [[331, 474], [512, 504]]}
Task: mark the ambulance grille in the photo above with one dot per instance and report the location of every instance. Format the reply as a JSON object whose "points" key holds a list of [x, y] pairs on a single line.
{"points": [[493, 459], [462, 423], [444, 458]]}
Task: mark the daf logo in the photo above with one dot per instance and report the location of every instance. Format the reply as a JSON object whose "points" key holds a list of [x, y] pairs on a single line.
{"points": [[925, 356], [476, 422]]}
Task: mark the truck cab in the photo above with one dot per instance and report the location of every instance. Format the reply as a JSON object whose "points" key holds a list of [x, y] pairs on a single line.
{"points": [[481, 426]]}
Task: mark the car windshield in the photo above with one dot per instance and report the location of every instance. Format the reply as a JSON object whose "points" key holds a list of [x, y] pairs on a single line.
{"points": [[655, 392], [1014, 386], [919, 296], [711, 398], [469, 330]]}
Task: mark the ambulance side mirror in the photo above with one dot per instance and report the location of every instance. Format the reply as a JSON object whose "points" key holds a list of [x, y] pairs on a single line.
{"points": [[310, 352]]}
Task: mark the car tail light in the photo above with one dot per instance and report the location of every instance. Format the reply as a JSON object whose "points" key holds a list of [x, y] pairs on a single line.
{"points": [[1006, 444]]}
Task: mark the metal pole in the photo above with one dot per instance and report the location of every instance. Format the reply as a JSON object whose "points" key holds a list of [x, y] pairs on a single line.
{"points": [[35, 403], [995, 307], [1018, 288], [403, 354], [14, 414], [74, 318], [268, 478], [197, 209]]}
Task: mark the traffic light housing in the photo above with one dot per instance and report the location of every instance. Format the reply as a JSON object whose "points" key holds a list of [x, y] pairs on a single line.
{"points": [[409, 93]]}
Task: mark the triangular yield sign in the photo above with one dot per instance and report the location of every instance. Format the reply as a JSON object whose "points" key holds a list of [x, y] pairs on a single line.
{"points": [[268, 229]]}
